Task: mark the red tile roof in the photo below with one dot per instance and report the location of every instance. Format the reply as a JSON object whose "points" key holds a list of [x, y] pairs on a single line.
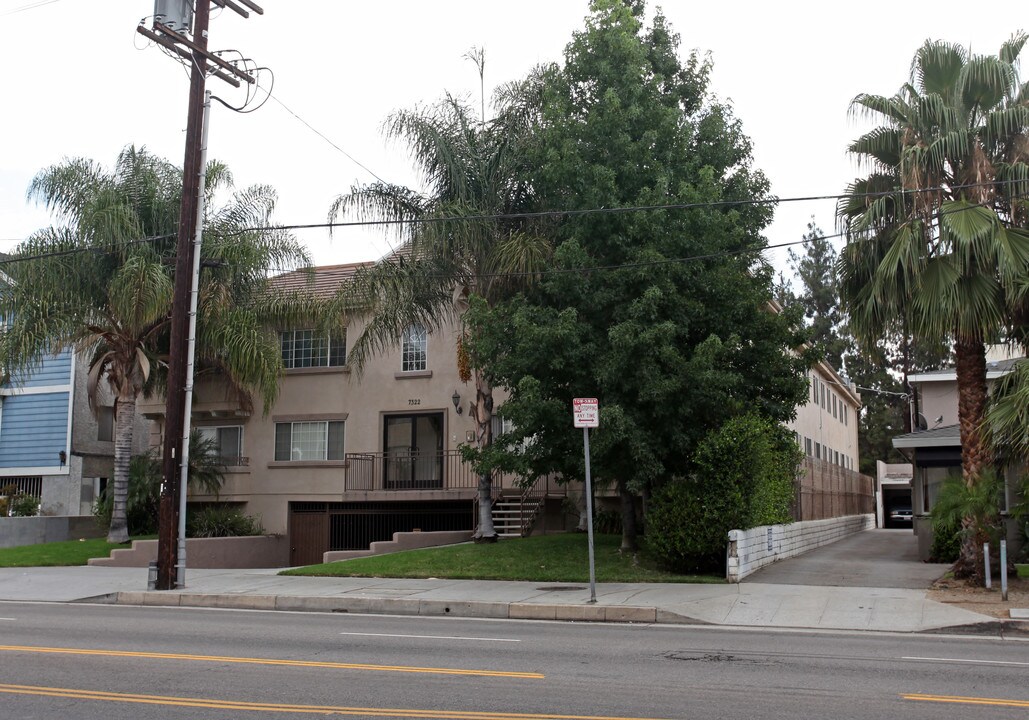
{"points": [[322, 281]]}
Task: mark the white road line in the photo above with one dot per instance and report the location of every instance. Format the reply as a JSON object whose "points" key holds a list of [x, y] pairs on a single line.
{"points": [[10, 619], [971, 662], [431, 637]]}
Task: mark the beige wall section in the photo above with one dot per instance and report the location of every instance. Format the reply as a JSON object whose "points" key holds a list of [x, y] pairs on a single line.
{"points": [[938, 402], [820, 429]]}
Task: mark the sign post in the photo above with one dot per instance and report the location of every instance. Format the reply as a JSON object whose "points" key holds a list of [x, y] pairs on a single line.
{"points": [[587, 415]]}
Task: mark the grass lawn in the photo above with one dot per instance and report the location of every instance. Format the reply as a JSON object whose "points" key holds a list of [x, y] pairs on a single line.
{"points": [[546, 558], [70, 552], [1023, 570]]}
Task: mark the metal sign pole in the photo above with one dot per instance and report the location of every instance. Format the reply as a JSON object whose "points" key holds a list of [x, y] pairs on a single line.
{"points": [[589, 513]]}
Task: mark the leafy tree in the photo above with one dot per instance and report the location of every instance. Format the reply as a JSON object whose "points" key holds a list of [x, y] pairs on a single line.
{"points": [[819, 295], [671, 348], [472, 171], [935, 231], [101, 283]]}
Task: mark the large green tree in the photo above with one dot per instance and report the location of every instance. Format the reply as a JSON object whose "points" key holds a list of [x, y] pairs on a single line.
{"points": [[671, 346], [100, 281], [459, 243], [935, 232]]}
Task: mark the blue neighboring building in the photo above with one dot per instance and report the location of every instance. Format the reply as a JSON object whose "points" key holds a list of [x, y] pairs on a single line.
{"points": [[36, 412]]}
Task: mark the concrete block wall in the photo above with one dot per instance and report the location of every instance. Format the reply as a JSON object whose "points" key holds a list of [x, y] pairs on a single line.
{"points": [[16, 531], [750, 550]]}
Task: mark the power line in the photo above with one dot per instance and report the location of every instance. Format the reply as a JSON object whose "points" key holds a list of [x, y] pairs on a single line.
{"points": [[619, 210], [326, 139], [565, 213], [29, 6]]}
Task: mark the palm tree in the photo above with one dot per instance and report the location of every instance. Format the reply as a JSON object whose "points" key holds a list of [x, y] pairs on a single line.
{"points": [[936, 244], [470, 170], [101, 283]]}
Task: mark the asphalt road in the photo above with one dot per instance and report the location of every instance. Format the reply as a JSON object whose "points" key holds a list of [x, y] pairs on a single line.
{"points": [[115, 662]]}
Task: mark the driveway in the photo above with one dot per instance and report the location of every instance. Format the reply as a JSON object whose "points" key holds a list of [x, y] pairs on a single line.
{"points": [[872, 558]]}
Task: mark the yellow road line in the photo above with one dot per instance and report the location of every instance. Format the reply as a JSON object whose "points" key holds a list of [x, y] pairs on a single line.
{"points": [[277, 707], [966, 700], [271, 661]]}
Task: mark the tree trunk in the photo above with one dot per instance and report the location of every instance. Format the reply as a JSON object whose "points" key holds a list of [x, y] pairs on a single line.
{"points": [[482, 412], [628, 519], [970, 365], [125, 415]]}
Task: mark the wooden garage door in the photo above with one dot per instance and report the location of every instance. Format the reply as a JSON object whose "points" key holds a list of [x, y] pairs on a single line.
{"points": [[308, 537]]}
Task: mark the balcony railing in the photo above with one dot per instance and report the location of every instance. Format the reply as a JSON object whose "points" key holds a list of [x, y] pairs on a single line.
{"points": [[408, 470]]}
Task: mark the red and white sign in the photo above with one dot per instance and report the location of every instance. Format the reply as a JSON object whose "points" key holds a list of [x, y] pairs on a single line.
{"points": [[587, 412]]}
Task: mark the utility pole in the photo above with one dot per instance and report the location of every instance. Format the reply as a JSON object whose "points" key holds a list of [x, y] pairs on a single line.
{"points": [[166, 33]]}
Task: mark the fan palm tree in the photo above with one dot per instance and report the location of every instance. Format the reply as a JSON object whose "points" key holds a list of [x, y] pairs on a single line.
{"points": [[101, 283], [936, 244], [459, 244]]}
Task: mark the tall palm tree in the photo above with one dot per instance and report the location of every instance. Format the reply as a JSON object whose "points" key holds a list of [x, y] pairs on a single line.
{"points": [[101, 283], [459, 244], [935, 233]]}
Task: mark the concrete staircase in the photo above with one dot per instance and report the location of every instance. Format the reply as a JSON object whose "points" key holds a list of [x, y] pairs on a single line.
{"points": [[514, 516]]}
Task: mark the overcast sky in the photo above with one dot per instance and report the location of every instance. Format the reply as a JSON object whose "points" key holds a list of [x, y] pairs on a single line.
{"points": [[78, 81]]}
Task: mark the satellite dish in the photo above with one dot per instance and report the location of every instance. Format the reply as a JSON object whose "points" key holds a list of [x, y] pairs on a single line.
{"points": [[921, 422]]}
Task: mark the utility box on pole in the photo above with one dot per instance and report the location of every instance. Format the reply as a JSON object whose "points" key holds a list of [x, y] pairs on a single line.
{"points": [[174, 14]]}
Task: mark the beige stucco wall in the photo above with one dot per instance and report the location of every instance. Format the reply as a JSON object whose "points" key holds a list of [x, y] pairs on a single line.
{"points": [[817, 423], [360, 399]]}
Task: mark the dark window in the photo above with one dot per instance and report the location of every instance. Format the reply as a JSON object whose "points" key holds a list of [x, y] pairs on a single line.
{"points": [[105, 424]]}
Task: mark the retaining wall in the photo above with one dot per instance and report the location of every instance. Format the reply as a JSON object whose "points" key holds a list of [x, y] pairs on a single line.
{"points": [[402, 541], [231, 553], [750, 550], [15, 531]]}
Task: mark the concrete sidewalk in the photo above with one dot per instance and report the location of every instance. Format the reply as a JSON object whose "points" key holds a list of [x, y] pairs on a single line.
{"points": [[749, 604]]}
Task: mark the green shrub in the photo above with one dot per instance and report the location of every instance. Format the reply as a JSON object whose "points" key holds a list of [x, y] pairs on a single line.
{"points": [[687, 524], [946, 544], [22, 505], [143, 501], [607, 522], [742, 476], [221, 521]]}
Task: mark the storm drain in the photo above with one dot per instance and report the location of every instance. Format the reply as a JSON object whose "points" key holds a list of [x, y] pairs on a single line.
{"points": [[560, 588]]}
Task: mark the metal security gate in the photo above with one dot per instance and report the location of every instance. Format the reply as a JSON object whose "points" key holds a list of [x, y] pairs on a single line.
{"points": [[317, 527]]}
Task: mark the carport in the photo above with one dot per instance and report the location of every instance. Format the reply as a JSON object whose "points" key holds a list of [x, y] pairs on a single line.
{"points": [[871, 558]]}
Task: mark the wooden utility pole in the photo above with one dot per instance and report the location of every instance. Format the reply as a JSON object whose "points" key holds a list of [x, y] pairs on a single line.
{"points": [[195, 50]]}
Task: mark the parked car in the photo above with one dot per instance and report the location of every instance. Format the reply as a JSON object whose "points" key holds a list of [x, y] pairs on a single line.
{"points": [[900, 514]]}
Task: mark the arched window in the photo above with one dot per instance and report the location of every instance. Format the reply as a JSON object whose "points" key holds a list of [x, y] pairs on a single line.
{"points": [[413, 348]]}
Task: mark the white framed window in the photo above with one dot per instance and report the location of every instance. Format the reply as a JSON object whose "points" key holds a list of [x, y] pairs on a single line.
{"points": [[228, 442], [814, 389], [413, 348], [807, 447], [306, 349], [846, 409], [309, 440]]}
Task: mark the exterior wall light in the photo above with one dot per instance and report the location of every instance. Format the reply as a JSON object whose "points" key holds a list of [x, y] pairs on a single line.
{"points": [[456, 399]]}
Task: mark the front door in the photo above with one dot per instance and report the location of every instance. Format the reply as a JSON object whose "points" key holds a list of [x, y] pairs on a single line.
{"points": [[414, 451]]}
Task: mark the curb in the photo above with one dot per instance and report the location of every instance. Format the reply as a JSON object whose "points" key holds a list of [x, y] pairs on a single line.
{"points": [[401, 606]]}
